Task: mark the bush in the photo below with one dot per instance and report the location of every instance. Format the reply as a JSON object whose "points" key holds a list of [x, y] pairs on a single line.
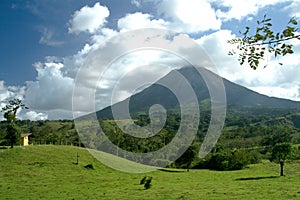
{"points": [[228, 160], [146, 181], [254, 157]]}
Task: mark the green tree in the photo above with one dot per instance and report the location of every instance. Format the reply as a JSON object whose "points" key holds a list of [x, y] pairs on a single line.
{"points": [[280, 153], [251, 48], [187, 157], [280, 134], [10, 114]]}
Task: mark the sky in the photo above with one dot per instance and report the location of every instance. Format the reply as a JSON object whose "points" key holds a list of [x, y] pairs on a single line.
{"points": [[44, 44]]}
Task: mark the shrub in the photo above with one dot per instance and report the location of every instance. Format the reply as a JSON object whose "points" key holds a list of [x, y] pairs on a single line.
{"points": [[254, 157], [143, 180], [228, 160], [146, 181]]}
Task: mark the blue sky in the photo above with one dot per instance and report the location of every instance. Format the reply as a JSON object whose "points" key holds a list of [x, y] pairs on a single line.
{"points": [[43, 43]]}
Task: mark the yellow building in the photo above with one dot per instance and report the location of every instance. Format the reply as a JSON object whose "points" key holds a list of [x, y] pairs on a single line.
{"points": [[25, 139]]}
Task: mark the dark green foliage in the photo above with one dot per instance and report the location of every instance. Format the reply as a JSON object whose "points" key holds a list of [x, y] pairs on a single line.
{"points": [[147, 184], [277, 137], [254, 157], [58, 132], [253, 47], [295, 118], [143, 180], [228, 160], [280, 153], [12, 134], [10, 114], [246, 130], [186, 159], [146, 181], [10, 110]]}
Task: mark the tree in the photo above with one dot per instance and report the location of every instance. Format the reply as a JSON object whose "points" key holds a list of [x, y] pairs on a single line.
{"points": [[280, 134], [187, 157], [252, 48], [10, 113], [280, 153]]}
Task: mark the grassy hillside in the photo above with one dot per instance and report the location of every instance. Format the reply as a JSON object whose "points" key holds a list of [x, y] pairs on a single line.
{"points": [[48, 172]]}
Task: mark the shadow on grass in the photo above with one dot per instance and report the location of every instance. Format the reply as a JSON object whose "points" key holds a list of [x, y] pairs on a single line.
{"points": [[256, 178], [171, 170]]}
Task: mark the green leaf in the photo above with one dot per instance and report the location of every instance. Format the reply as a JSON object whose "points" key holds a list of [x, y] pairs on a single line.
{"points": [[268, 24], [293, 21], [267, 20]]}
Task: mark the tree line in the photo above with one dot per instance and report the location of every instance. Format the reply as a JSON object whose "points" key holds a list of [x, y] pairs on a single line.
{"points": [[244, 140]]}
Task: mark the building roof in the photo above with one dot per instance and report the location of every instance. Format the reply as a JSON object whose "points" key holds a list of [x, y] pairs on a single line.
{"points": [[25, 134]]}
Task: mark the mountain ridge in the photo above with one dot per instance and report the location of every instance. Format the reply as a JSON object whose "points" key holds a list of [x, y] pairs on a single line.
{"points": [[236, 95]]}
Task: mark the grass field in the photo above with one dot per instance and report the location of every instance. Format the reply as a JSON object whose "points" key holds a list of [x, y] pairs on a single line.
{"points": [[49, 172]]}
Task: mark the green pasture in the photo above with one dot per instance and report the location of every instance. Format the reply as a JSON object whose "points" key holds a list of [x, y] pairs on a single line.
{"points": [[50, 172]]}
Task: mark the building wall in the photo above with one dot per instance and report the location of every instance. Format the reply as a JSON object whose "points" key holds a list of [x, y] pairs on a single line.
{"points": [[25, 141]]}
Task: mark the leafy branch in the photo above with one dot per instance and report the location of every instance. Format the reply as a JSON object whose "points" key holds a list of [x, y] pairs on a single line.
{"points": [[10, 110], [252, 48]]}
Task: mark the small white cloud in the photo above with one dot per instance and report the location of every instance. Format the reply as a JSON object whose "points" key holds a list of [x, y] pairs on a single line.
{"points": [[88, 19], [191, 16], [140, 20], [294, 9], [34, 116], [4, 93], [10, 92], [47, 38], [137, 3], [229, 9]]}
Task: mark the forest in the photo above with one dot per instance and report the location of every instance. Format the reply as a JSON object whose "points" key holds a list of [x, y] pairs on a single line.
{"points": [[249, 135]]}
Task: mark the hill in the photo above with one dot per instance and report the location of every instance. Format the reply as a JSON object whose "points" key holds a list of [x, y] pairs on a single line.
{"points": [[48, 172], [236, 96]]}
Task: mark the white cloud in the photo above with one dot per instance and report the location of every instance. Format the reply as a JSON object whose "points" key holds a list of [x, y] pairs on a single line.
{"points": [[4, 93], [291, 91], [8, 93], [52, 90], [47, 38], [140, 20], [101, 38], [275, 80], [191, 16], [88, 19], [294, 9], [34, 116], [137, 3], [238, 9]]}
